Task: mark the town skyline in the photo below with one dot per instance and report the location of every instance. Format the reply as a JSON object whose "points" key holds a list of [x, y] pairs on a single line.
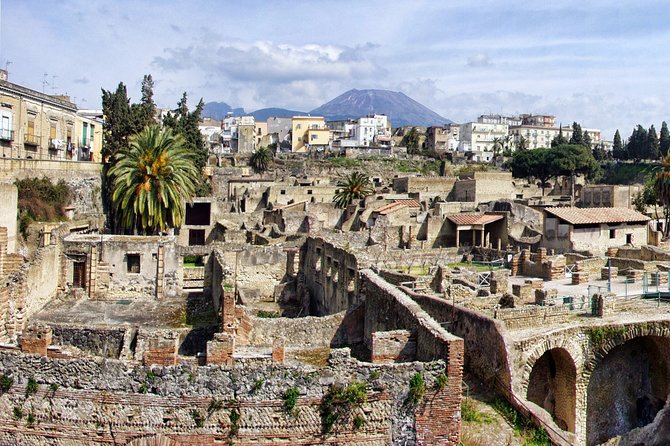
{"points": [[580, 62]]}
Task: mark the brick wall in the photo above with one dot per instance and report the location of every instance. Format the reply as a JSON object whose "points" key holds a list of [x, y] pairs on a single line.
{"points": [[392, 346]]}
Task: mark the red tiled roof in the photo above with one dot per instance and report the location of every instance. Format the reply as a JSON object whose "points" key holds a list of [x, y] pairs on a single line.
{"points": [[397, 205], [589, 216], [474, 219]]}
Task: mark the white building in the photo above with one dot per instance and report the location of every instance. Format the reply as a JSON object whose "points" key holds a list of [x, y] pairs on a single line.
{"points": [[369, 131], [478, 138]]}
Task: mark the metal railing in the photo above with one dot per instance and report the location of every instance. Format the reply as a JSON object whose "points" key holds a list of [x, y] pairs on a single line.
{"points": [[31, 139], [6, 135]]}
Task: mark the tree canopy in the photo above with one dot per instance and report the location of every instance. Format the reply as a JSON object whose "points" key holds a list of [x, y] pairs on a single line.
{"points": [[152, 179], [354, 186], [564, 160]]}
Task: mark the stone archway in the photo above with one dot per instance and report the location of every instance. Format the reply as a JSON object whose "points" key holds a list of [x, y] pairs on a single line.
{"points": [[552, 386], [627, 387]]}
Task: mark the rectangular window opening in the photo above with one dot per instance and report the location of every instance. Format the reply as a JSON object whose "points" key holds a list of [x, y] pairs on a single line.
{"points": [[133, 263]]}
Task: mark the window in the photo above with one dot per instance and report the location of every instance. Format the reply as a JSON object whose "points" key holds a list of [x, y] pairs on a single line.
{"points": [[198, 214], [133, 263], [313, 137], [629, 239], [298, 126], [52, 131], [309, 191], [612, 233], [196, 237]]}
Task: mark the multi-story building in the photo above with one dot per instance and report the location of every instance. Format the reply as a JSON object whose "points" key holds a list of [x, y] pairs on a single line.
{"points": [[536, 136], [309, 132], [39, 126], [499, 119], [538, 120], [368, 131], [441, 139], [279, 131], [479, 138]]}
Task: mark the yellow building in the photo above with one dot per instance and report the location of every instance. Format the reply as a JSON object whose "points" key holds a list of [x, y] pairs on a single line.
{"points": [[308, 132], [39, 126]]}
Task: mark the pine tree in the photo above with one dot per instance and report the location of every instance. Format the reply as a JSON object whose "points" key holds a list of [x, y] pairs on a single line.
{"points": [[577, 135], [664, 142], [652, 146]]}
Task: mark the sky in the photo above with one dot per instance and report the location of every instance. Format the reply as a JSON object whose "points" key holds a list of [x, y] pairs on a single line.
{"points": [[603, 64]]}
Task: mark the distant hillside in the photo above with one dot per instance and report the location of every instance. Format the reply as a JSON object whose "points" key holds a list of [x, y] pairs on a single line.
{"points": [[218, 110], [264, 113], [400, 108]]}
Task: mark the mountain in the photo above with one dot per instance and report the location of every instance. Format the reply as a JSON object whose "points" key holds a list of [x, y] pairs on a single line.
{"points": [[219, 110], [400, 108], [264, 113]]}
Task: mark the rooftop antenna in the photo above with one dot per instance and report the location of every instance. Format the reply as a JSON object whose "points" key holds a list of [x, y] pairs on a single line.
{"points": [[7, 64], [53, 83], [44, 82]]}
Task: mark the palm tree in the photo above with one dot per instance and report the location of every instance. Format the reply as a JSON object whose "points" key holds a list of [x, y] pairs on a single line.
{"points": [[260, 159], [352, 187], [662, 188], [152, 179]]}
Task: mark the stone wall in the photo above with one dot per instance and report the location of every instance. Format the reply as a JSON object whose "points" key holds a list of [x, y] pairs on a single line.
{"points": [[388, 308], [8, 206], [98, 341], [483, 337], [88, 402], [330, 277]]}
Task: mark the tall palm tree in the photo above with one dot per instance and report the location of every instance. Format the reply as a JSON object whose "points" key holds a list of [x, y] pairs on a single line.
{"points": [[260, 159], [662, 188], [152, 179], [352, 187]]}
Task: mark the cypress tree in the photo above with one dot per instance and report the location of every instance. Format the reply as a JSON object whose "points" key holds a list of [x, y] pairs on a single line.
{"points": [[618, 151], [652, 145], [664, 142]]}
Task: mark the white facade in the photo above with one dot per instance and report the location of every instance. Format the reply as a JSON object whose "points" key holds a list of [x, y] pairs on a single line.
{"points": [[478, 138]]}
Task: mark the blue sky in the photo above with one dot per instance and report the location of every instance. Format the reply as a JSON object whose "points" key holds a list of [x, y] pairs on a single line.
{"points": [[603, 64]]}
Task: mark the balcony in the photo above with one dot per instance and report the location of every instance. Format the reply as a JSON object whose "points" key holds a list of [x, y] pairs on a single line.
{"points": [[86, 143], [31, 140], [6, 135]]}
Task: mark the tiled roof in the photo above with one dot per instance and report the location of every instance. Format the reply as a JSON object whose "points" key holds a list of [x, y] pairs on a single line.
{"points": [[589, 216], [397, 205], [474, 219]]}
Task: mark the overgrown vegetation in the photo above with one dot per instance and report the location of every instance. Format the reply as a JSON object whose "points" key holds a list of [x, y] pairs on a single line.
{"points": [[18, 412], [598, 335], [470, 413], [417, 390], [340, 401], [41, 200], [6, 382], [198, 418], [290, 398], [267, 314], [531, 434], [258, 385], [234, 421], [624, 173], [31, 387], [441, 381]]}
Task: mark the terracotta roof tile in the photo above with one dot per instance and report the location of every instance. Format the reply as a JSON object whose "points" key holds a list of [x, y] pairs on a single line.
{"points": [[589, 216], [397, 205], [474, 219]]}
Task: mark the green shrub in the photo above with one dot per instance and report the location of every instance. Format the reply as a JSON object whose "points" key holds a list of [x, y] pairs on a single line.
{"points": [[290, 398], [40, 200], [374, 374], [198, 418], [441, 381], [30, 419], [470, 413], [258, 385], [18, 412], [359, 421], [214, 406], [339, 401], [6, 383], [234, 421], [31, 387], [417, 389]]}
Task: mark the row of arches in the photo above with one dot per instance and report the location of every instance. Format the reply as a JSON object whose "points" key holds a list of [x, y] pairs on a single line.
{"points": [[626, 388]]}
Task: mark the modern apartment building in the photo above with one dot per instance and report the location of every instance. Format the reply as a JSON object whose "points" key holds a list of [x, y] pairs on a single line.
{"points": [[479, 138], [309, 132]]}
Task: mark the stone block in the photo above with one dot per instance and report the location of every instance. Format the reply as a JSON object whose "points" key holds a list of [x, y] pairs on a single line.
{"points": [[36, 339], [536, 284], [580, 277], [606, 271], [220, 349], [393, 346], [523, 291], [278, 352]]}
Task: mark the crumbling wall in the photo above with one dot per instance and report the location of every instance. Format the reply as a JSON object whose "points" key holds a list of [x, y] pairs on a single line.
{"points": [[89, 402]]}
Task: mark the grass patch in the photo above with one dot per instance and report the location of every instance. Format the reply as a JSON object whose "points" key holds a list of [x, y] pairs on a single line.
{"points": [[530, 434], [477, 266], [267, 314], [598, 335], [470, 413]]}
